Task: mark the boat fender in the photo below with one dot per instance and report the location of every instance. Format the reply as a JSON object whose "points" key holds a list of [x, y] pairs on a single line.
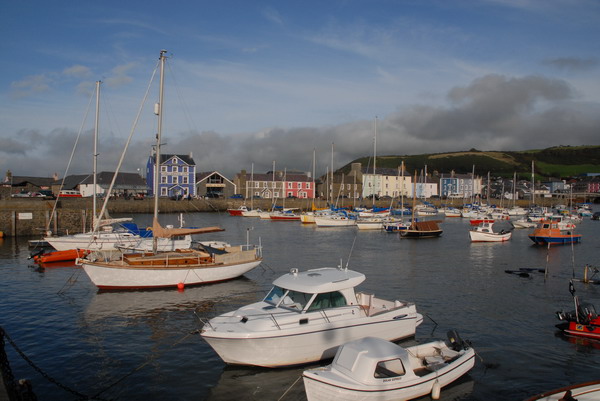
{"points": [[436, 390]]}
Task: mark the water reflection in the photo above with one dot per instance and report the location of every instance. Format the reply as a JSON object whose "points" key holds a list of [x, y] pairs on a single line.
{"points": [[138, 304]]}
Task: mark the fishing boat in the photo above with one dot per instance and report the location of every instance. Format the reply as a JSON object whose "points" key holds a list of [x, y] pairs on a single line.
{"points": [[178, 268], [305, 317], [420, 229], [285, 215], [484, 233], [588, 391], [374, 369], [583, 321], [548, 233], [238, 211]]}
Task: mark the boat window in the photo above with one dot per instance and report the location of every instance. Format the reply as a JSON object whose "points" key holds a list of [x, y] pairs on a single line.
{"points": [[391, 368], [328, 300], [274, 296], [295, 300]]}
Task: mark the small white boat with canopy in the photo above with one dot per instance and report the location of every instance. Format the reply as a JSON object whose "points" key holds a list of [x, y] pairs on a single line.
{"points": [[305, 317], [374, 369]]}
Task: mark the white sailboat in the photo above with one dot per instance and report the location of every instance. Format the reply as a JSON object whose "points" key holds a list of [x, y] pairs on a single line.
{"points": [[170, 268], [104, 236]]}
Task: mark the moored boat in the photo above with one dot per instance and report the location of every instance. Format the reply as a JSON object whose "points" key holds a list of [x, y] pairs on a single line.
{"points": [[548, 233], [484, 233], [374, 369], [155, 269], [583, 321], [60, 256], [305, 317], [238, 211], [588, 391]]}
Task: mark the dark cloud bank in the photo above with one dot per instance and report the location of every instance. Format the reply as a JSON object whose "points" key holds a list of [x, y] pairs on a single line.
{"points": [[493, 112]]}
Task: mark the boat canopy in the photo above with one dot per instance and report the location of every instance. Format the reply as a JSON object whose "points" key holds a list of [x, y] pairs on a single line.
{"points": [[361, 358], [316, 281], [161, 232]]}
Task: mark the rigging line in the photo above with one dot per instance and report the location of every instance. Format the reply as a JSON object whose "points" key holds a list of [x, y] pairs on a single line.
{"points": [[186, 113], [133, 127], [289, 388], [70, 160], [351, 248]]}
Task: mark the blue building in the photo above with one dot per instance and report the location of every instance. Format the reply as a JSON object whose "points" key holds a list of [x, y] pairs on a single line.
{"points": [[177, 176]]}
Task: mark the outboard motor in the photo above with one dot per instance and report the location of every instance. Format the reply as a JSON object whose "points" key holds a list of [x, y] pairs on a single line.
{"points": [[456, 343]]}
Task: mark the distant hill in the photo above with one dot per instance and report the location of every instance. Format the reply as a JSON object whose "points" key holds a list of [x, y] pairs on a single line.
{"points": [[558, 161]]}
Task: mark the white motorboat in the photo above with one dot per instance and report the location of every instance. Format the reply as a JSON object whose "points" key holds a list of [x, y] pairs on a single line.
{"points": [[335, 220], [588, 391], [374, 369], [524, 222], [484, 233], [305, 317], [105, 239]]}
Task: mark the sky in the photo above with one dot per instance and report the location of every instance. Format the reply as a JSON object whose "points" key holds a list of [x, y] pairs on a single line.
{"points": [[250, 83]]}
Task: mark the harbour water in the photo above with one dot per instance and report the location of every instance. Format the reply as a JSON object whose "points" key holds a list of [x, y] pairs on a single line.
{"points": [[144, 345]]}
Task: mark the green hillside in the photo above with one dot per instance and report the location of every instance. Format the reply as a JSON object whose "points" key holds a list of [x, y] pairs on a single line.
{"points": [[558, 161]]}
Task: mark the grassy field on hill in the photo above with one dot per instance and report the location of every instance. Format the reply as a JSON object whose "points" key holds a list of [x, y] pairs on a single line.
{"points": [[558, 161]]}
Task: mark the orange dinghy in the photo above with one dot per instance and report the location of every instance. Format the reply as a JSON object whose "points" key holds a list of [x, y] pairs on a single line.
{"points": [[60, 256]]}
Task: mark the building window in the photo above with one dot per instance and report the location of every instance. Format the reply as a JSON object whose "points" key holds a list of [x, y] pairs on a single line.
{"points": [[175, 179], [163, 179], [163, 169], [163, 191], [185, 169], [184, 179], [290, 185]]}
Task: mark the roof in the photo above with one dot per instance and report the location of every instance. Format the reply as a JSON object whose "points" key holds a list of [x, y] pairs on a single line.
{"points": [[279, 176], [205, 174], [72, 181], [18, 180], [185, 158], [123, 179], [316, 281]]}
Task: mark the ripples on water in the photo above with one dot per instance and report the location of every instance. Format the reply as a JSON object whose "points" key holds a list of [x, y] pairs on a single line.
{"points": [[138, 346]]}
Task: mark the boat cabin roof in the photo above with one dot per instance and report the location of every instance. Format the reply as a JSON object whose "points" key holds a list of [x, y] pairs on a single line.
{"points": [[359, 359], [316, 281]]}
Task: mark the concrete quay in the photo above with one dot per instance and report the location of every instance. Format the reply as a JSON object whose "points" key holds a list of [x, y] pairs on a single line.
{"points": [[32, 216]]}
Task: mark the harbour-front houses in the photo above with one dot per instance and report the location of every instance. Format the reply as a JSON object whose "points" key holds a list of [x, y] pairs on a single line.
{"points": [[278, 184], [126, 184], [213, 184], [462, 186], [177, 176]]}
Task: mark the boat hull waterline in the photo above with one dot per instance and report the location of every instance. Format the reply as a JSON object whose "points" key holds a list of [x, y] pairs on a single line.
{"points": [[301, 347]]}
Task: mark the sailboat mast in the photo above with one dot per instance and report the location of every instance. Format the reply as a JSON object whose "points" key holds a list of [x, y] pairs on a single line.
{"points": [[374, 160], [313, 174], [95, 162], [532, 198], [158, 111]]}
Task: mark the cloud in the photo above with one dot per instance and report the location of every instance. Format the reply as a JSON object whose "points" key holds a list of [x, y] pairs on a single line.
{"points": [[31, 85], [572, 63], [492, 112], [77, 71], [119, 75], [273, 15]]}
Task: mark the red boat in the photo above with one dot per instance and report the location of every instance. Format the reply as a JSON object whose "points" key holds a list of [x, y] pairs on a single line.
{"points": [[238, 211], [582, 322], [60, 256], [476, 222]]}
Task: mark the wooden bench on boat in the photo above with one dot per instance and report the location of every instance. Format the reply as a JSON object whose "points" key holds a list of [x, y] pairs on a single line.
{"points": [[179, 257]]}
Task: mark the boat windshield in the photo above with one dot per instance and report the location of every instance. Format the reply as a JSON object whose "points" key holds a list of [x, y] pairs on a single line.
{"points": [[275, 295], [287, 298], [295, 300]]}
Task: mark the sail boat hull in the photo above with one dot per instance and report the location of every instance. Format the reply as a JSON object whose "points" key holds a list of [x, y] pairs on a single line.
{"points": [[142, 271]]}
